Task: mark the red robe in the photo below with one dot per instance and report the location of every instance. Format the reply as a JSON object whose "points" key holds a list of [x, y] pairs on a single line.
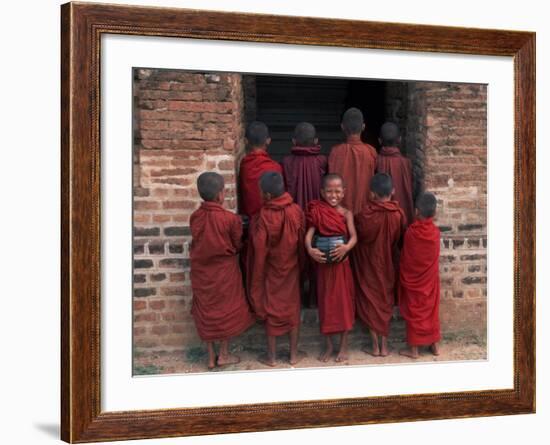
{"points": [[303, 170], [275, 259], [335, 289], [391, 161], [253, 166], [419, 283], [379, 228], [355, 162], [219, 304]]}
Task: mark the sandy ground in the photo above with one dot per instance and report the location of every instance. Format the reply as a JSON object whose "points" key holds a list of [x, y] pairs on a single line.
{"points": [[452, 348]]}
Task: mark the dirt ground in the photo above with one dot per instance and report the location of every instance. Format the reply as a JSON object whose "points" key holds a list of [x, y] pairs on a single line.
{"points": [[452, 348]]}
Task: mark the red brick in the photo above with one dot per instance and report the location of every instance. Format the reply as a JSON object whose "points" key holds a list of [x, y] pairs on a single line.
{"points": [[226, 165], [174, 171], [180, 204], [139, 305], [157, 305], [159, 330], [146, 205], [148, 316], [212, 107], [180, 276]]}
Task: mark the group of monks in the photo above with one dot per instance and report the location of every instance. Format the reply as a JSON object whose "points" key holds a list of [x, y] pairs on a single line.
{"points": [[388, 255]]}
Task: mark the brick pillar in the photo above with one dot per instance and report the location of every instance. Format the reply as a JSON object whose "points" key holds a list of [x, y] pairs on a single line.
{"points": [[186, 123], [448, 125]]}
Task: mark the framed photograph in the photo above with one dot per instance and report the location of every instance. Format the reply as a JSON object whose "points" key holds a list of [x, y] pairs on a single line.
{"points": [[204, 157]]}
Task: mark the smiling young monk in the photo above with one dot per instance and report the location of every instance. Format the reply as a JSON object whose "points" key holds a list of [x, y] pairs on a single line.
{"points": [[276, 259], [219, 306], [335, 290]]}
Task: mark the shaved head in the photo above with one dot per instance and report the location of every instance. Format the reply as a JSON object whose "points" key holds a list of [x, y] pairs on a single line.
{"points": [[331, 177], [272, 183], [426, 205], [382, 185], [352, 121], [210, 184], [304, 134], [389, 135], [257, 134]]}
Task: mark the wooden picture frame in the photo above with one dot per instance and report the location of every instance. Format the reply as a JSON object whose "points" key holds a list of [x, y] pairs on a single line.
{"points": [[82, 26]]}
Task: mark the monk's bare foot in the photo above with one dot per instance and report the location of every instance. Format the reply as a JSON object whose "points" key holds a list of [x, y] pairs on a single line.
{"points": [[342, 357], [325, 356], [434, 347], [297, 357], [228, 359], [268, 361], [408, 352], [373, 350], [384, 350], [212, 363]]}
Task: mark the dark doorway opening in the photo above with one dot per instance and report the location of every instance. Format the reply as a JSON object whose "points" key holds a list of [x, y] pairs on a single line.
{"points": [[282, 102]]}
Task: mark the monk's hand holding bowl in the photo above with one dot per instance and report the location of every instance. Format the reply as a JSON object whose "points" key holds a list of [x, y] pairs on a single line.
{"points": [[317, 255], [338, 253]]}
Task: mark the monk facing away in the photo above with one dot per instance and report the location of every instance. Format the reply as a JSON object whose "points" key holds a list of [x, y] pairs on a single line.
{"points": [[391, 161], [305, 166], [276, 242], [219, 306], [354, 160], [303, 170], [253, 165], [333, 228], [380, 226], [419, 279]]}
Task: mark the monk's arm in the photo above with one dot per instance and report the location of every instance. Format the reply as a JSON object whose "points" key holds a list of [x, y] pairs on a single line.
{"points": [[236, 233], [257, 279], [313, 252], [339, 252], [352, 232], [301, 243]]}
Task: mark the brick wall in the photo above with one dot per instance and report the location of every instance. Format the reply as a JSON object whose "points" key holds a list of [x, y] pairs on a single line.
{"points": [[185, 123], [444, 126]]}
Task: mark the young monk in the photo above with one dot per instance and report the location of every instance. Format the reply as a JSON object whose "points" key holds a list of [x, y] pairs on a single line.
{"points": [[276, 240], [253, 165], [391, 161], [354, 161], [219, 307], [335, 289], [305, 166], [419, 279], [303, 170], [380, 226]]}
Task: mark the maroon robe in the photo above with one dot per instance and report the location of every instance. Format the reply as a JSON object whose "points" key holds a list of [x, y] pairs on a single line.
{"points": [[253, 166], [219, 307], [355, 161], [391, 161], [303, 170], [379, 228], [419, 283], [275, 259], [335, 290]]}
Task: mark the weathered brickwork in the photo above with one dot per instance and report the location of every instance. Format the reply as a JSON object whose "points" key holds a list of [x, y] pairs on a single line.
{"points": [[444, 132], [185, 123]]}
